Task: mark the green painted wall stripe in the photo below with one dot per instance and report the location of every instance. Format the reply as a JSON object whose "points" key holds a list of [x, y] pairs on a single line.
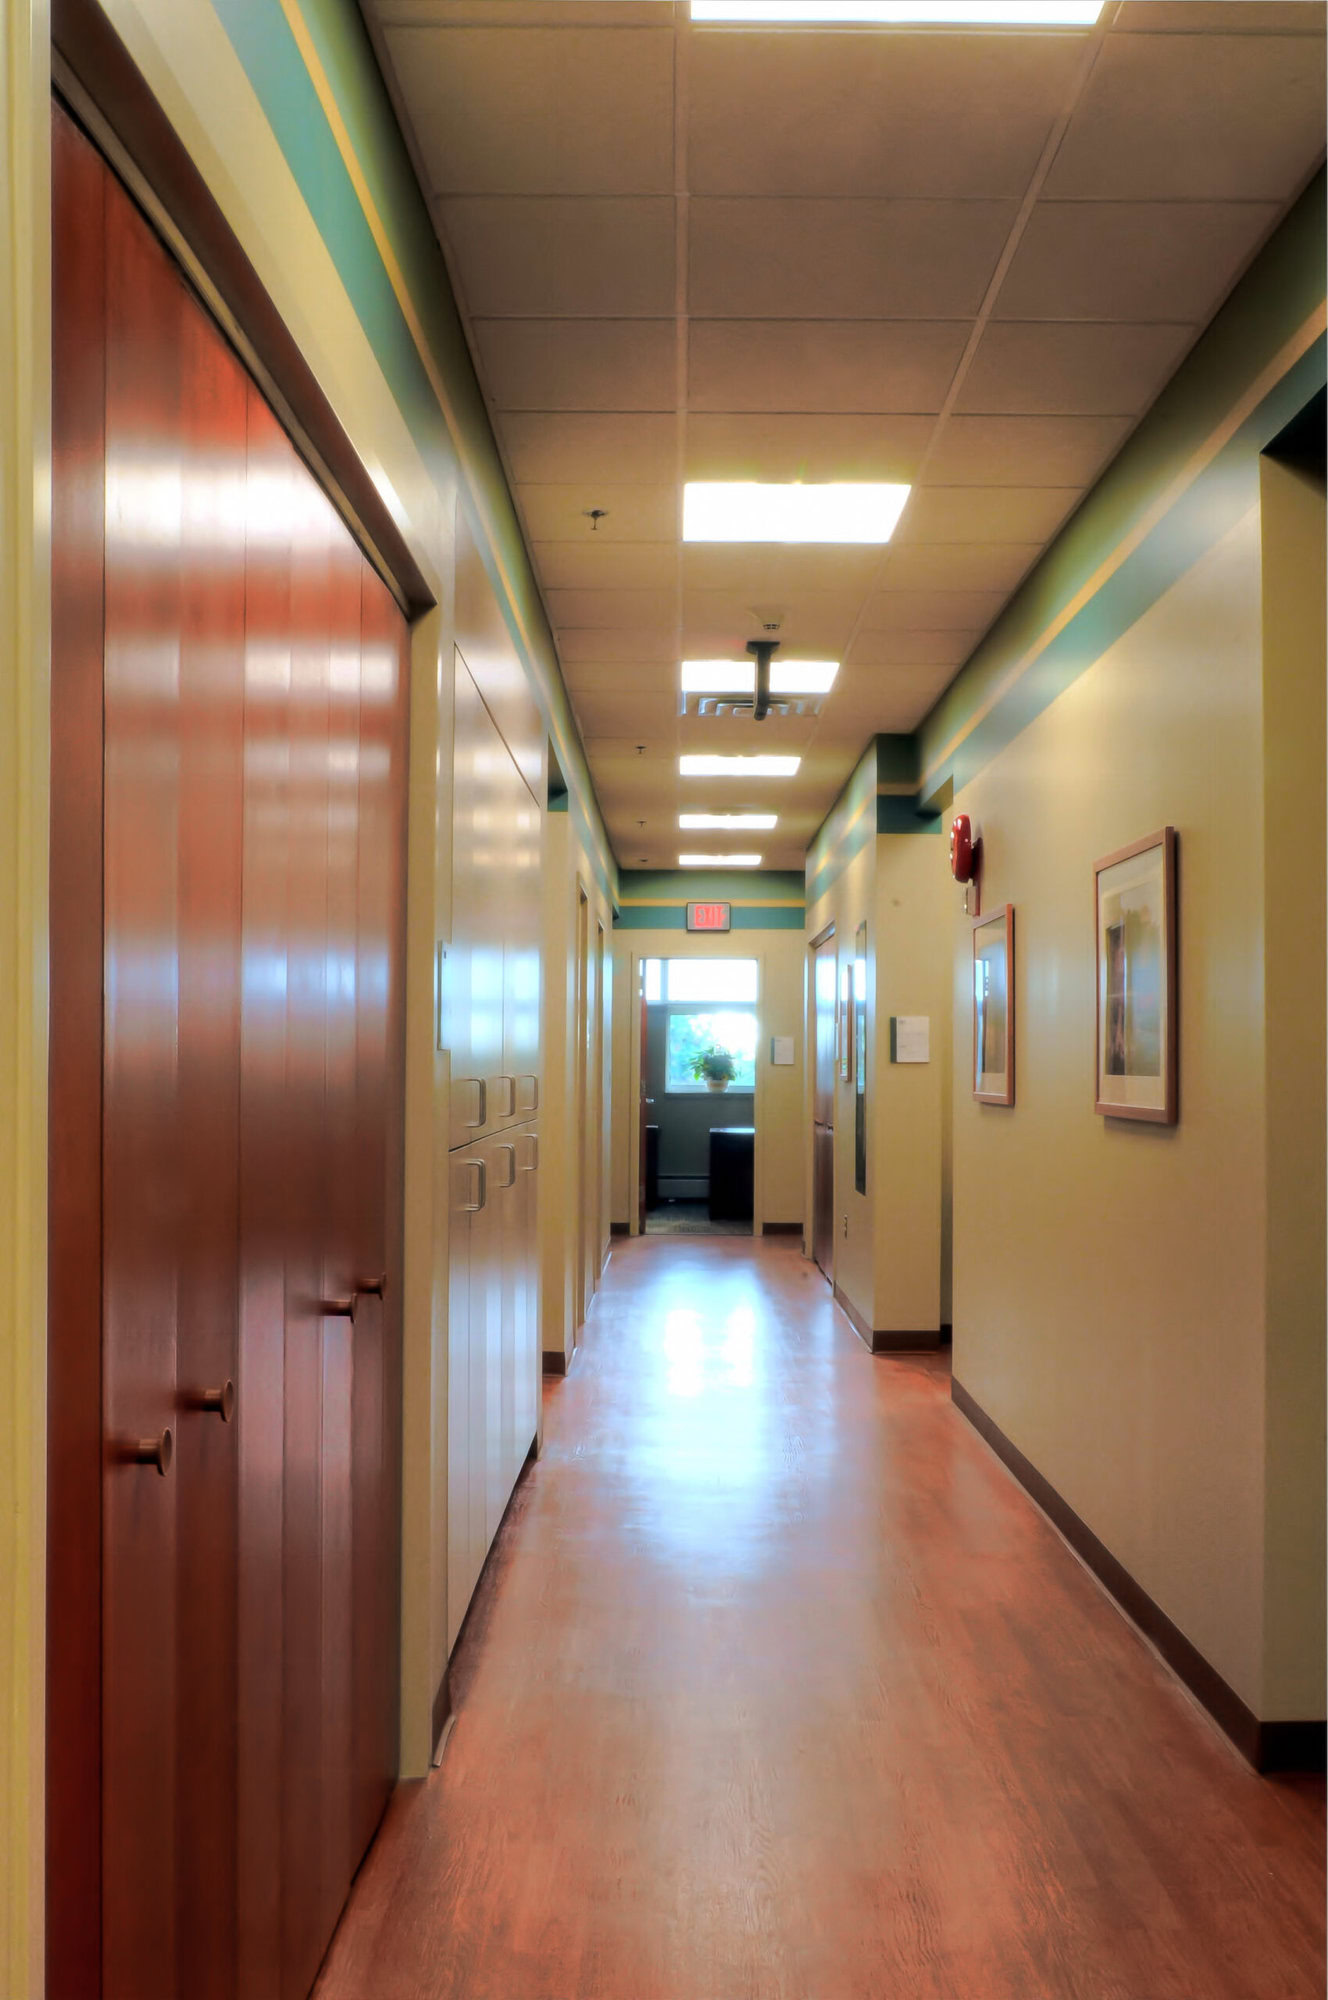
{"points": [[901, 815], [710, 885], [262, 39], [638, 917]]}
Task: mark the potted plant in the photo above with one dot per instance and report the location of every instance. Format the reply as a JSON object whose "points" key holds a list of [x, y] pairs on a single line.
{"points": [[714, 1067]]}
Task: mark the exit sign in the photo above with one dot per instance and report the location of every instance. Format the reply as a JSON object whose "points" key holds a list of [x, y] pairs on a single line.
{"points": [[708, 917]]}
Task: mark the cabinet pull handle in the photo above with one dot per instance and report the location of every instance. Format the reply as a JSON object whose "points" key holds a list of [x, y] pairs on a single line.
{"points": [[481, 1188], [510, 1151], [339, 1308], [532, 1140], [533, 1105], [221, 1401], [375, 1290], [151, 1451], [473, 1124], [510, 1081]]}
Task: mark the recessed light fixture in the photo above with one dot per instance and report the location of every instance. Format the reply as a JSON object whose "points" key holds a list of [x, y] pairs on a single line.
{"points": [[739, 676], [911, 13], [727, 822], [745, 511], [737, 767], [719, 860]]}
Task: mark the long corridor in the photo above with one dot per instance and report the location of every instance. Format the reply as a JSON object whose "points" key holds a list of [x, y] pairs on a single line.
{"points": [[777, 1687]]}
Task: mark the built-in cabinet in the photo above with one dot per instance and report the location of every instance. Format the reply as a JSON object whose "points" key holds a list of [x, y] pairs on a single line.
{"points": [[227, 899], [491, 1026]]}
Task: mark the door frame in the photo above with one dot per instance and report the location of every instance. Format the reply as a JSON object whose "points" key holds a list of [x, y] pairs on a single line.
{"points": [[636, 962], [814, 944]]}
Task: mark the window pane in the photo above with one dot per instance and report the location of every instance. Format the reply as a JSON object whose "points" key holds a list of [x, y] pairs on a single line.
{"points": [[712, 979], [654, 970], [693, 1030]]}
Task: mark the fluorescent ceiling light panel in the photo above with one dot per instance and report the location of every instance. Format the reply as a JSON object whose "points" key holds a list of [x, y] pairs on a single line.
{"points": [[737, 767], [727, 822], [719, 860], [745, 511], [910, 13], [739, 676]]}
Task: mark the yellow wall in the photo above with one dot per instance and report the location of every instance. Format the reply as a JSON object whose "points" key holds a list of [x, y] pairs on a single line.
{"points": [[1292, 540], [780, 1110], [24, 764], [1109, 1277]]}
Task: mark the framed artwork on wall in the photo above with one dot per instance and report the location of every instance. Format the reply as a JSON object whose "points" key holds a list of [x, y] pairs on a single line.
{"points": [[1134, 894], [993, 1007]]}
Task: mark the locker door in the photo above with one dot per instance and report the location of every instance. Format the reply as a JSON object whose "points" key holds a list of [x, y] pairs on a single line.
{"points": [[522, 947], [141, 1110], [500, 1405], [528, 1354], [468, 1195], [473, 1029]]}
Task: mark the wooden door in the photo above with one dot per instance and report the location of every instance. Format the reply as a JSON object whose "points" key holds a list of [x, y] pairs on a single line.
{"points": [[468, 1178], [823, 1107], [529, 1358]]}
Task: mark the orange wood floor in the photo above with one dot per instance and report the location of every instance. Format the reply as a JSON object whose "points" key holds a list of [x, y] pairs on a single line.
{"points": [[778, 1688]]}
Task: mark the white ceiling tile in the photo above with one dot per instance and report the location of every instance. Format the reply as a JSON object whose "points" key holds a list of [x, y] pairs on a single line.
{"points": [[1223, 17], [539, 111], [616, 608], [631, 513], [593, 564], [1024, 368], [931, 610], [559, 364], [1138, 260], [642, 645], [1021, 451], [895, 649], [830, 365], [761, 573], [1195, 118], [960, 566], [983, 514], [771, 445], [643, 716], [622, 678], [558, 447], [786, 259], [585, 258], [864, 114], [716, 621]]}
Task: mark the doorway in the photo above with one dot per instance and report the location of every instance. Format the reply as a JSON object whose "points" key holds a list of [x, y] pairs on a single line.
{"points": [[699, 1045], [823, 1104]]}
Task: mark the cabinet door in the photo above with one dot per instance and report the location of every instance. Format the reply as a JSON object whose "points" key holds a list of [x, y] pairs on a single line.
{"points": [[522, 954], [500, 1413], [486, 1351], [473, 988], [469, 1194]]}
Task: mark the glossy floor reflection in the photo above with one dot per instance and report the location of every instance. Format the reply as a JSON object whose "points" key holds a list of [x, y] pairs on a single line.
{"points": [[778, 1688]]}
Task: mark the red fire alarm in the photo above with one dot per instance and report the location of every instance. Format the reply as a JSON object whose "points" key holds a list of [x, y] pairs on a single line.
{"points": [[966, 859]]}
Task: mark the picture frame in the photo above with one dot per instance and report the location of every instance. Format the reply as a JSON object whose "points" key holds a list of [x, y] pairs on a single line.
{"points": [[1136, 1039], [993, 1007]]}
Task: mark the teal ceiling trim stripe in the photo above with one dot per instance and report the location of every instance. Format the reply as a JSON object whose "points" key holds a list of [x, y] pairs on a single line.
{"points": [[673, 917], [711, 885], [901, 815], [272, 60]]}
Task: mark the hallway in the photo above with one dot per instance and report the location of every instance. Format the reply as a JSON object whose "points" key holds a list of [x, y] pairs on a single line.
{"points": [[778, 1688]]}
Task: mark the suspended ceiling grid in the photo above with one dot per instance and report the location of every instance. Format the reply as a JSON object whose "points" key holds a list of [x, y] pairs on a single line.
{"points": [[968, 261]]}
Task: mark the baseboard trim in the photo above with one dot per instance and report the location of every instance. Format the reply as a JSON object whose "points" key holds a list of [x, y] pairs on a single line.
{"points": [[781, 1229], [557, 1363], [879, 1342], [620, 1229], [1268, 1746], [443, 1717]]}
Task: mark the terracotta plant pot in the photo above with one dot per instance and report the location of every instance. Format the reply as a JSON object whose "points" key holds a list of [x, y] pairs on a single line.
{"points": [[717, 1083]]}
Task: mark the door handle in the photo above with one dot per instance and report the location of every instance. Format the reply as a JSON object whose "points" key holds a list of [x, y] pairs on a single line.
{"points": [[473, 1124], [481, 1188], [157, 1451], [339, 1308], [221, 1401], [510, 1081], [510, 1151], [375, 1290], [533, 1081], [532, 1140]]}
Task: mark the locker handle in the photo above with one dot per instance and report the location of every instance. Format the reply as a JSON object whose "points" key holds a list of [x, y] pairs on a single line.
{"points": [[532, 1140], [510, 1081], [510, 1151], [533, 1081], [151, 1451], [481, 1188], [339, 1308], [473, 1124]]}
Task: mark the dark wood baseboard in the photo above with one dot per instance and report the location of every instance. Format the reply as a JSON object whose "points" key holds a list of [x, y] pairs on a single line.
{"points": [[880, 1342], [442, 1713], [620, 1229], [557, 1363], [1268, 1746], [781, 1229]]}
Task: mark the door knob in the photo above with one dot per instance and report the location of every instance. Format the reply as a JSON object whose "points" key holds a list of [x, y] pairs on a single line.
{"points": [[375, 1290], [151, 1451], [339, 1308]]}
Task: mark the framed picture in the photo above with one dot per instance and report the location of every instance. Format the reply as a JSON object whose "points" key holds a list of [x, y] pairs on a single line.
{"points": [[993, 1007], [1135, 912]]}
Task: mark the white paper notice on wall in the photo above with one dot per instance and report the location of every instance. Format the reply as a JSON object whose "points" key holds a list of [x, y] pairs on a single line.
{"points": [[781, 1051], [910, 1038]]}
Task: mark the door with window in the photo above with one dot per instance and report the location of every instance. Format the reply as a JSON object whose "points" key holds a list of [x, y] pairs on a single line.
{"points": [[699, 1076]]}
